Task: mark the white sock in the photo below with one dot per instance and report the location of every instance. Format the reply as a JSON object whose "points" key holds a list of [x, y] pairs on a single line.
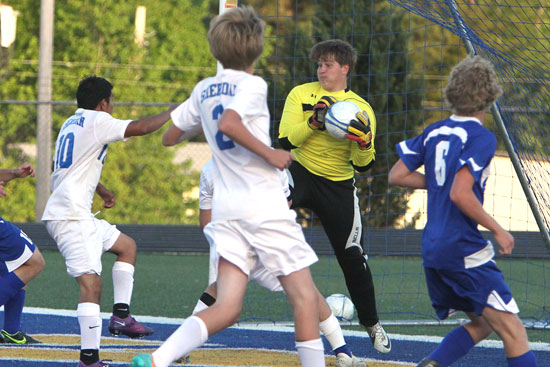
{"points": [[332, 331], [199, 307], [189, 336], [123, 282], [90, 325], [311, 353]]}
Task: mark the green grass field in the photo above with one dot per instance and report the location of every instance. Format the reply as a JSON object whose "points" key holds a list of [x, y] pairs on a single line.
{"points": [[169, 285]]}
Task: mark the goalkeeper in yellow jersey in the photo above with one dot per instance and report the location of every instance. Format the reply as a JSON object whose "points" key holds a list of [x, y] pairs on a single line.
{"points": [[324, 168]]}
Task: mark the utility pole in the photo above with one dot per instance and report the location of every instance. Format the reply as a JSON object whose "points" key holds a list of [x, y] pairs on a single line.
{"points": [[44, 108]]}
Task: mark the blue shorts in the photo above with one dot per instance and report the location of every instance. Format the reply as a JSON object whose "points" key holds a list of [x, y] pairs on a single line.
{"points": [[469, 290], [15, 247]]}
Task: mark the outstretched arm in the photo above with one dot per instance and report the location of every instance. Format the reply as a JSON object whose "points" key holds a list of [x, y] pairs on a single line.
{"points": [[174, 135], [8, 174], [148, 124], [23, 170], [232, 126], [464, 198]]}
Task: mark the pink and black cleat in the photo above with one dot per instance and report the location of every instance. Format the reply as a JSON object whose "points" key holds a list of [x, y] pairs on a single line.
{"points": [[129, 327]]}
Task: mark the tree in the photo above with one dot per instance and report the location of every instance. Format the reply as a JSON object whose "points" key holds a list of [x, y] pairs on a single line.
{"points": [[96, 37]]}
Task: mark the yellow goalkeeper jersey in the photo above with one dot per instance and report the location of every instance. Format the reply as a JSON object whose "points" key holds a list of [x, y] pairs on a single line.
{"points": [[317, 150]]}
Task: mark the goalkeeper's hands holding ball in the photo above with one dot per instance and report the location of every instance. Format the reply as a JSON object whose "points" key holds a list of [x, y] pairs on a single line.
{"points": [[359, 130], [317, 120]]}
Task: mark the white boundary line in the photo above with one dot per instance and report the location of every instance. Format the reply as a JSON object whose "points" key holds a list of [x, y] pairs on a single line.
{"points": [[538, 346]]}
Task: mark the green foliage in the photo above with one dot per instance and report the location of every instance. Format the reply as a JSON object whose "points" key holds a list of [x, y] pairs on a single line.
{"points": [[97, 37]]}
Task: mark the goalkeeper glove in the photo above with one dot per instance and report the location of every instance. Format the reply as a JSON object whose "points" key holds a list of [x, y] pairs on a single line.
{"points": [[359, 130], [317, 120]]}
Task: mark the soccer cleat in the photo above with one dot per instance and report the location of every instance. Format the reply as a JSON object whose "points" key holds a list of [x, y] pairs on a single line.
{"points": [[343, 360], [142, 360], [379, 338], [428, 362], [183, 360], [102, 363], [17, 338], [129, 327]]}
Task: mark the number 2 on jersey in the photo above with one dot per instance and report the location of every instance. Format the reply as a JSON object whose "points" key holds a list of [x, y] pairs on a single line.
{"points": [[223, 144]]}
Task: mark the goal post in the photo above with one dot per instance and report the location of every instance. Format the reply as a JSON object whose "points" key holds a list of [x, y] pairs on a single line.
{"points": [[496, 112]]}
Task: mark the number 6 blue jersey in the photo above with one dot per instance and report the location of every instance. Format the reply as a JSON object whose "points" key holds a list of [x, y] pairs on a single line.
{"points": [[80, 152], [450, 238]]}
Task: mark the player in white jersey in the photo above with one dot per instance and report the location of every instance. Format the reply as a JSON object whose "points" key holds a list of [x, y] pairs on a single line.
{"points": [[251, 222], [458, 262], [80, 152], [328, 324]]}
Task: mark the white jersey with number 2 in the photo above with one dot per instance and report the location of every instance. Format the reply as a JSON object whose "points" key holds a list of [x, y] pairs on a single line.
{"points": [[246, 185]]}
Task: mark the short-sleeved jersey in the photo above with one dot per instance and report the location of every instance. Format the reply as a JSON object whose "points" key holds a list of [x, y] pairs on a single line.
{"points": [[206, 185], [246, 185], [451, 239], [80, 152], [318, 151]]}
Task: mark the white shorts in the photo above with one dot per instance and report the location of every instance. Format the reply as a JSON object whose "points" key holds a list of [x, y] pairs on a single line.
{"points": [[278, 246], [82, 242], [259, 274]]}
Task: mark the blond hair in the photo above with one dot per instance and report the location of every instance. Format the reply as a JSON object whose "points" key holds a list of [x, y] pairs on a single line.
{"points": [[236, 37], [340, 50], [472, 86]]}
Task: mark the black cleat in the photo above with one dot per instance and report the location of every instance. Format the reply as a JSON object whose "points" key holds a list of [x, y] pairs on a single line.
{"points": [[17, 338]]}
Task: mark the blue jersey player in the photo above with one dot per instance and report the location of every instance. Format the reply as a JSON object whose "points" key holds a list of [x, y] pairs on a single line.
{"points": [[458, 262], [20, 262]]}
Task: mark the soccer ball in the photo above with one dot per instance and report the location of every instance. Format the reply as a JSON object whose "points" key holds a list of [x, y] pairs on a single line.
{"points": [[339, 116], [341, 306]]}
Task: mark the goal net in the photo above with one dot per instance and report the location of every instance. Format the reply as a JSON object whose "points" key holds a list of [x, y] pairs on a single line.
{"points": [[406, 50]]}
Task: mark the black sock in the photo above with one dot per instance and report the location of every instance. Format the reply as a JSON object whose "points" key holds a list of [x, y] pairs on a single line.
{"points": [[207, 299], [89, 356], [121, 310]]}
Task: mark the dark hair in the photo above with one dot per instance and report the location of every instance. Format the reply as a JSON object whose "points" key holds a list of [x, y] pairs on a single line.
{"points": [[91, 91], [342, 52]]}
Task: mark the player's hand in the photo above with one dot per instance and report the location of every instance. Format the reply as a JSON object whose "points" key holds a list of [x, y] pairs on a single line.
{"points": [[317, 120], [24, 170], [359, 130], [2, 192], [505, 240], [108, 200], [279, 158], [107, 195]]}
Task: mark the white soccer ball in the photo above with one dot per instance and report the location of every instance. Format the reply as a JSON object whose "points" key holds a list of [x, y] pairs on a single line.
{"points": [[339, 116], [341, 306]]}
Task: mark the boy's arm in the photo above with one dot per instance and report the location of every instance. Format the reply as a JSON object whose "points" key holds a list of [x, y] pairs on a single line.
{"points": [[294, 130], [8, 174], [205, 216], [400, 175], [232, 126], [147, 124], [464, 198], [24, 170], [174, 135], [107, 196]]}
